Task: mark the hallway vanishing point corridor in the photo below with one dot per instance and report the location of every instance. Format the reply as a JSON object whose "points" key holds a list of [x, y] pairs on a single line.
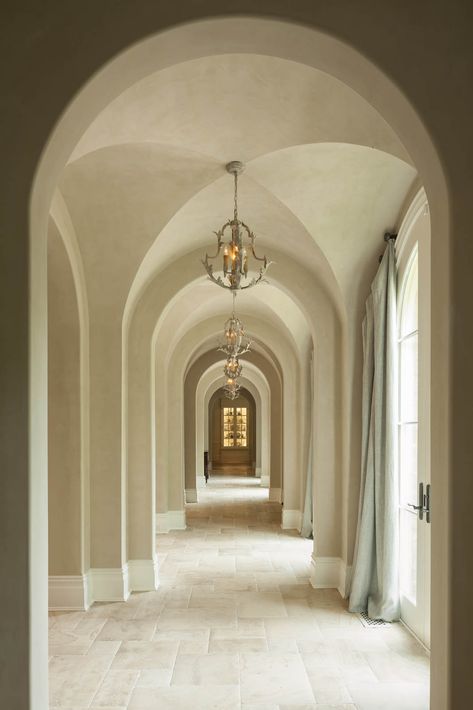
{"points": [[234, 624]]}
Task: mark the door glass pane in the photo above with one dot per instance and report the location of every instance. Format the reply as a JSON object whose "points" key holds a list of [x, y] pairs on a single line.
{"points": [[408, 555], [408, 464], [409, 385], [409, 303], [235, 424]]}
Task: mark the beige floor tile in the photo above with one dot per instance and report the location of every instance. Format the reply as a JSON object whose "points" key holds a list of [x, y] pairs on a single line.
{"points": [[212, 600], [234, 606], [143, 655], [115, 689], [390, 696], [210, 670], [104, 648], [77, 689], [154, 679], [292, 628], [136, 630], [282, 645], [260, 605], [197, 637], [238, 645], [274, 678], [186, 698], [196, 619], [329, 691]]}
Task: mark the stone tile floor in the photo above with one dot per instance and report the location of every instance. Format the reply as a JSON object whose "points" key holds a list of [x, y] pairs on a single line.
{"points": [[234, 625]]}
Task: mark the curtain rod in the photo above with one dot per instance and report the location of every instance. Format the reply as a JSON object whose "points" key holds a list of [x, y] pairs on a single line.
{"points": [[387, 238]]}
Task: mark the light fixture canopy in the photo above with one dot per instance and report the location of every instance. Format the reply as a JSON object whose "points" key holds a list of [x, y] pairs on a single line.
{"points": [[234, 274]]}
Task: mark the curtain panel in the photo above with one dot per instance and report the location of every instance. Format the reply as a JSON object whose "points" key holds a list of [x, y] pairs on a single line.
{"points": [[375, 578]]}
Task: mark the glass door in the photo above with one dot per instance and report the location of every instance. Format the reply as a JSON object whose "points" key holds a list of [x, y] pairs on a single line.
{"points": [[414, 471], [235, 427]]}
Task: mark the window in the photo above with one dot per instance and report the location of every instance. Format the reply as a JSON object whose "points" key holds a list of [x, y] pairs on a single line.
{"points": [[235, 423], [408, 429]]}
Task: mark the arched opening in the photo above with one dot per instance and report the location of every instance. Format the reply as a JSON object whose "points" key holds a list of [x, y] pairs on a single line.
{"points": [[232, 435], [341, 539]]}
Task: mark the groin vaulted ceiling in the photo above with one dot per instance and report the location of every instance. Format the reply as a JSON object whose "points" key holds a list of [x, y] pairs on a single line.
{"points": [[146, 184]]}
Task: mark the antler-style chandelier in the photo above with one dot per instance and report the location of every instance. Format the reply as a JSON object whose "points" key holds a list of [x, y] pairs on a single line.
{"points": [[231, 389], [234, 344], [232, 367], [236, 252]]}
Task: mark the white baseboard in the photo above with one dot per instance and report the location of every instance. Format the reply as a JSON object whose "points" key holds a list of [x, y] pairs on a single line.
{"points": [[69, 592], [172, 520], [291, 520], [143, 575], [264, 479], [191, 495], [275, 494], [79, 592], [109, 584], [329, 573]]}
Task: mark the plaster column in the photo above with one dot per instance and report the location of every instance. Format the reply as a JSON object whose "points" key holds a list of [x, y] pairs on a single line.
{"points": [[67, 580]]}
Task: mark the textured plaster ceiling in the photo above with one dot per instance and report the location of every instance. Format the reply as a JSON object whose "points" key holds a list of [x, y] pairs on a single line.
{"points": [[146, 185], [239, 105], [268, 304]]}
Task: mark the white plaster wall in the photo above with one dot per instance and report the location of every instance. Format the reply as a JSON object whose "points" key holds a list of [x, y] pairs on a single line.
{"points": [[64, 479]]}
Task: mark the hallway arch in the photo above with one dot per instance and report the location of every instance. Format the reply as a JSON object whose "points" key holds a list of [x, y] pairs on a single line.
{"points": [[424, 156], [255, 383]]}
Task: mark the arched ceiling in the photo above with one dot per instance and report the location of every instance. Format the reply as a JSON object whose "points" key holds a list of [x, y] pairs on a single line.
{"points": [[243, 105], [146, 184], [266, 303]]}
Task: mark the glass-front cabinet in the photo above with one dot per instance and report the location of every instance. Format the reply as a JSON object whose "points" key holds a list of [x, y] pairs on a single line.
{"points": [[235, 427]]}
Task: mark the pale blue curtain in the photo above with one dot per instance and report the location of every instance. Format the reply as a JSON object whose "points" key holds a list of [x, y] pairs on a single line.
{"points": [[375, 579], [307, 529]]}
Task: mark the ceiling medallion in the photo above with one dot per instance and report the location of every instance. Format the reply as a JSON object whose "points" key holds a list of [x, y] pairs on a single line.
{"points": [[236, 252]]}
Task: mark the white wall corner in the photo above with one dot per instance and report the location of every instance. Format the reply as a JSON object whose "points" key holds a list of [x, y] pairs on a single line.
{"points": [[143, 575], [177, 520], [162, 523], [264, 479], [328, 573], [172, 520], [345, 579], [275, 495], [69, 593], [291, 520], [191, 495], [109, 584]]}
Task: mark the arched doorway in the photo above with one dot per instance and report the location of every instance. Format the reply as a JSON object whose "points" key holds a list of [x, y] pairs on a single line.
{"points": [[232, 435], [38, 223]]}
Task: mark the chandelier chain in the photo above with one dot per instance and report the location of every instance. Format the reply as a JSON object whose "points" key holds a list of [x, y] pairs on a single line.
{"points": [[235, 204]]}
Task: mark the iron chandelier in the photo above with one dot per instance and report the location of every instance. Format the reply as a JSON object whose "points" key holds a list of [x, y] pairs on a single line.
{"points": [[236, 252]]}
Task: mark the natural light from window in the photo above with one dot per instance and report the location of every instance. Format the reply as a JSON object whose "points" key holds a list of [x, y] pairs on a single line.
{"points": [[408, 430]]}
